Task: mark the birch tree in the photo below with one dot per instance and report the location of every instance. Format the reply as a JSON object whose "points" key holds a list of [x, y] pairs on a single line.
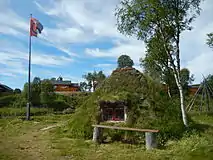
{"points": [[166, 19]]}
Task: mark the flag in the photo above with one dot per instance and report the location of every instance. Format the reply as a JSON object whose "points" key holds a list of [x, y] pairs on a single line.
{"points": [[35, 27]]}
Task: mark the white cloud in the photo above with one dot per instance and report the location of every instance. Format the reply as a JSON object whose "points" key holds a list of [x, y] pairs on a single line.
{"points": [[10, 22], [73, 79], [64, 36], [201, 65], [7, 73], [14, 59], [103, 65], [94, 18], [135, 49], [90, 21], [86, 21], [195, 54], [38, 58]]}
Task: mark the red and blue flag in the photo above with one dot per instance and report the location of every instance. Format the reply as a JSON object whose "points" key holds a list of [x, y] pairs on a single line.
{"points": [[35, 27]]}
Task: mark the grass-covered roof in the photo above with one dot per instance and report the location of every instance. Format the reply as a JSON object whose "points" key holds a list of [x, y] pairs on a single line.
{"points": [[148, 104]]}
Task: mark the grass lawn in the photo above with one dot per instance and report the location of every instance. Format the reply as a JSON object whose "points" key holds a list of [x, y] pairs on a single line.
{"points": [[39, 139]]}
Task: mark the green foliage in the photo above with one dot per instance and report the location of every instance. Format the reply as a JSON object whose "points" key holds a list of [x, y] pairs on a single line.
{"points": [[7, 112], [165, 20], [36, 80], [16, 135], [19, 102], [35, 93], [143, 18], [58, 105], [53, 79], [42, 95], [47, 95], [83, 86], [185, 77], [46, 98], [125, 61], [5, 94], [148, 106], [6, 101], [156, 65], [94, 79], [209, 80], [209, 41], [75, 100], [17, 91], [46, 86], [155, 62]]}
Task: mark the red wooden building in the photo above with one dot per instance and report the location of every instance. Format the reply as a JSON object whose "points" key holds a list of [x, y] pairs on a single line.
{"points": [[65, 87], [193, 88]]}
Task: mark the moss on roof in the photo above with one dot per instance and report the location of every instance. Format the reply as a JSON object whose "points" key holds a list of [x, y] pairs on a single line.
{"points": [[149, 107]]}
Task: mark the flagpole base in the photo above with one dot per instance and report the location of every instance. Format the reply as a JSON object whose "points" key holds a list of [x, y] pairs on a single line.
{"points": [[28, 112]]}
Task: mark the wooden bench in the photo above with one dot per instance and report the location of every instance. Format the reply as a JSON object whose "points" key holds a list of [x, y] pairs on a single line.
{"points": [[150, 135]]}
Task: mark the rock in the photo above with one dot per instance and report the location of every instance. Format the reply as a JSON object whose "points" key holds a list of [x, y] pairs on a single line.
{"points": [[68, 111]]}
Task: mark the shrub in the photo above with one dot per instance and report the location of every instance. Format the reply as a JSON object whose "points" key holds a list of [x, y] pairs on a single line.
{"points": [[20, 101], [7, 101], [74, 100], [58, 105]]}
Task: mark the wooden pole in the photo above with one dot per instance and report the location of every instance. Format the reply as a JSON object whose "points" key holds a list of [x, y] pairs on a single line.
{"points": [[194, 98]]}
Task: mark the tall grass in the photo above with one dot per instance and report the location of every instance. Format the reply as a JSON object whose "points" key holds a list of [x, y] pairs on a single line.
{"points": [[10, 112]]}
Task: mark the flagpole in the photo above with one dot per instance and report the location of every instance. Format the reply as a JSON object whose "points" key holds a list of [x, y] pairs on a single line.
{"points": [[29, 70]]}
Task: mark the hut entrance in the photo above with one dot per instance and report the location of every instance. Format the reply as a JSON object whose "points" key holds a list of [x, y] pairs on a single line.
{"points": [[113, 111]]}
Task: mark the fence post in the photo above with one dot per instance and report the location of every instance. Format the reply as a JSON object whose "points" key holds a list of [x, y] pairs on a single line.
{"points": [[150, 140], [97, 134]]}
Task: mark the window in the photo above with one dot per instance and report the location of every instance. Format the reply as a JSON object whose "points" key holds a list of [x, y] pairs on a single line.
{"points": [[107, 114], [119, 114], [113, 114]]}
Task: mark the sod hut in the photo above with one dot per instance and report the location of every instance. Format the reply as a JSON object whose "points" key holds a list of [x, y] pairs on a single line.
{"points": [[130, 98]]}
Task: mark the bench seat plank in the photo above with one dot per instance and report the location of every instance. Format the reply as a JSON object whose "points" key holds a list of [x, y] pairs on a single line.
{"points": [[126, 128]]}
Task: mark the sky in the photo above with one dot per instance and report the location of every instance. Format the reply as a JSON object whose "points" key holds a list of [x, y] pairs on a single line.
{"points": [[80, 36]]}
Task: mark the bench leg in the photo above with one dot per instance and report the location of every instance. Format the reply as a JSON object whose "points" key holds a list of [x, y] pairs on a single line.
{"points": [[97, 134], [150, 140]]}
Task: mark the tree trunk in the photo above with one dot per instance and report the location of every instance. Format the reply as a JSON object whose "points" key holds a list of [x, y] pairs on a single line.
{"points": [[178, 80], [176, 72], [184, 117], [169, 92]]}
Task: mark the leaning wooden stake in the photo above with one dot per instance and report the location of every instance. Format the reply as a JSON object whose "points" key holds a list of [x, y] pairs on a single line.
{"points": [[150, 140]]}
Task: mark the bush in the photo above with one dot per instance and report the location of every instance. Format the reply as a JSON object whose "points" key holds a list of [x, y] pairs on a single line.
{"points": [[20, 101], [58, 105], [81, 124], [8, 100], [74, 100]]}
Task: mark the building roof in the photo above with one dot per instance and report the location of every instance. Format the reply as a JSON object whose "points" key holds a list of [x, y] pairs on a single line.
{"points": [[194, 86], [62, 82], [4, 88], [65, 83]]}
